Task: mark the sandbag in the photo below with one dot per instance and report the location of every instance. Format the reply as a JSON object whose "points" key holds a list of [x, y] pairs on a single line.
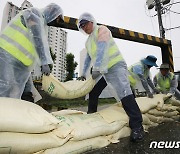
{"points": [[66, 90], [76, 147], [169, 107], [154, 119], [21, 143], [23, 116], [165, 119], [156, 112], [176, 118], [86, 126], [146, 120], [124, 132], [174, 101], [145, 103], [171, 114], [67, 112], [116, 112]]}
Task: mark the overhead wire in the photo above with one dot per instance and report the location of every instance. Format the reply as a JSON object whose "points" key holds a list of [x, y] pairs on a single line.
{"points": [[150, 18], [172, 28], [174, 12], [167, 10], [166, 13]]}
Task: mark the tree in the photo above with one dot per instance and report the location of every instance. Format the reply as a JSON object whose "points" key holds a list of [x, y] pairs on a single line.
{"points": [[70, 66], [53, 55]]}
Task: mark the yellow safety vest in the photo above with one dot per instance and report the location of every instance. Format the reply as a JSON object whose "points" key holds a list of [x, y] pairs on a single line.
{"points": [[134, 77], [164, 83], [16, 41], [114, 56]]}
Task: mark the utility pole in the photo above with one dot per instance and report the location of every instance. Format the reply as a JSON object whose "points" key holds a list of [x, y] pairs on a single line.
{"points": [[158, 5], [161, 28]]}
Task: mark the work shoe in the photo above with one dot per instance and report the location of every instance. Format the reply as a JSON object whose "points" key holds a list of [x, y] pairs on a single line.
{"points": [[137, 135]]}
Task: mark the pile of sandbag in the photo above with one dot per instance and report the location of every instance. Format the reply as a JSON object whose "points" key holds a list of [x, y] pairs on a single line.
{"points": [[67, 90], [27, 128]]}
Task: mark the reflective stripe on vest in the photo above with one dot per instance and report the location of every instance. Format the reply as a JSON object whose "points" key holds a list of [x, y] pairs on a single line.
{"points": [[113, 52], [164, 84], [15, 40]]}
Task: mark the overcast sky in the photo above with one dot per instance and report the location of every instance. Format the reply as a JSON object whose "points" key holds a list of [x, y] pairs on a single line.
{"points": [[128, 14]]}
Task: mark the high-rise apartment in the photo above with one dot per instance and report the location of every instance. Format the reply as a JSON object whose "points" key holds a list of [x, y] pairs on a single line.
{"points": [[57, 41], [56, 37]]}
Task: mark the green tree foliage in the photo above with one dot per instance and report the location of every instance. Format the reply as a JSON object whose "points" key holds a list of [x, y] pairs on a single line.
{"points": [[53, 55], [70, 66]]}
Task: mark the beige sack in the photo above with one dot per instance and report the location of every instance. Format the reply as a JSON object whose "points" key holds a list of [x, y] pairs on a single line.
{"points": [[154, 119], [169, 107], [77, 147], [146, 120], [21, 143], [124, 132], [145, 103], [67, 112], [165, 119], [114, 113], [156, 112], [84, 126], [176, 118], [22, 116], [67, 90], [175, 102], [117, 113], [171, 114]]}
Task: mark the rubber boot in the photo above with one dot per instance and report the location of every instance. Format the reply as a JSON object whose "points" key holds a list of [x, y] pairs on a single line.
{"points": [[135, 118]]}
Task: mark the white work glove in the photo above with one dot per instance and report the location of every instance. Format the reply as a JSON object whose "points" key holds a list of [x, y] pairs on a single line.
{"points": [[95, 74], [45, 70]]}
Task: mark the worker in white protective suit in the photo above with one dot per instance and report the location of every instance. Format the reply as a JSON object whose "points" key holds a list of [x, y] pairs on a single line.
{"points": [[110, 67], [166, 82], [23, 45], [140, 73]]}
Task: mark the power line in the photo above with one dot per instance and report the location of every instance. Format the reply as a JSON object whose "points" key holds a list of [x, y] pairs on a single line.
{"points": [[173, 3], [172, 28], [174, 12]]}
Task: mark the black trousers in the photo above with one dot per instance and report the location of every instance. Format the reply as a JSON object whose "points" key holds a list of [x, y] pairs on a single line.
{"points": [[129, 104], [27, 96], [94, 95]]}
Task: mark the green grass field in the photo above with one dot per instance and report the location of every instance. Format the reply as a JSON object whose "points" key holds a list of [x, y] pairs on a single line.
{"points": [[48, 101]]}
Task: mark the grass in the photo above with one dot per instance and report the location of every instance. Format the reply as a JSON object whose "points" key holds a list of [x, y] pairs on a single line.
{"points": [[65, 103]]}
